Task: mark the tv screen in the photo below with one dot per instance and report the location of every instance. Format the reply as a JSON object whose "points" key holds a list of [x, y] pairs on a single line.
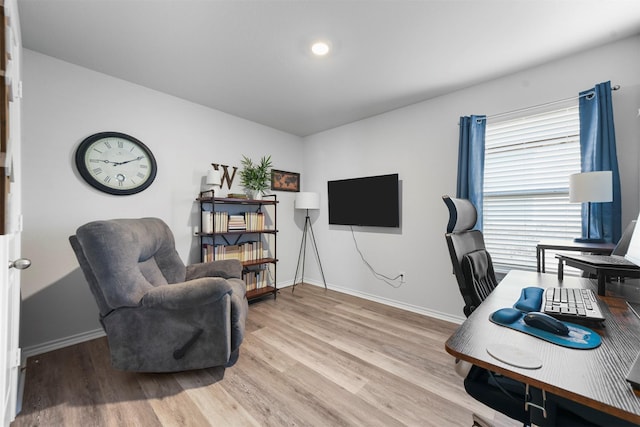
{"points": [[368, 201]]}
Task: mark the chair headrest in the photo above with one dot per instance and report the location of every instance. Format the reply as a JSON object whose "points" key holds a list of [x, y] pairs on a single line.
{"points": [[462, 214]]}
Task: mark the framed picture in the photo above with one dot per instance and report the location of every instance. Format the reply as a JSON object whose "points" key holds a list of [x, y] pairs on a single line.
{"points": [[285, 181]]}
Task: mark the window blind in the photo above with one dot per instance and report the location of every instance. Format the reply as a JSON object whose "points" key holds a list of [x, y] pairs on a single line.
{"points": [[526, 185]]}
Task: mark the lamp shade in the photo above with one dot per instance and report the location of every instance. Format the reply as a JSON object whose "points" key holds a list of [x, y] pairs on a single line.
{"points": [[307, 200], [213, 177], [591, 187]]}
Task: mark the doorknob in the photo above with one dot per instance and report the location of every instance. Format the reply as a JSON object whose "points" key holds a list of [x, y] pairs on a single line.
{"points": [[20, 264]]}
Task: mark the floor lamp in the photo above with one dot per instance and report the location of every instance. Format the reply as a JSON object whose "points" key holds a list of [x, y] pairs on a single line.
{"points": [[306, 200], [590, 187]]}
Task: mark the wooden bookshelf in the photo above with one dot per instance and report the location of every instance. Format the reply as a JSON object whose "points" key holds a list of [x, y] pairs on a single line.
{"points": [[217, 234]]}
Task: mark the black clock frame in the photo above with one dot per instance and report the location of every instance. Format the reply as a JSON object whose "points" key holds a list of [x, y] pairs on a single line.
{"points": [[82, 169]]}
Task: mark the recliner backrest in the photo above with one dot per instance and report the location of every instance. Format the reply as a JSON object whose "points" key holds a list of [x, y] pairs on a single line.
{"points": [[462, 241], [125, 258]]}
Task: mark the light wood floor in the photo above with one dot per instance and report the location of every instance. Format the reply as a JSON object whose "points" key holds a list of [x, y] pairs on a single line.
{"points": [[310, 358]]}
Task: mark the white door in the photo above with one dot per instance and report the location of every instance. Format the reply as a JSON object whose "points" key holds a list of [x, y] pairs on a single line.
{"points": [[10, 267]]}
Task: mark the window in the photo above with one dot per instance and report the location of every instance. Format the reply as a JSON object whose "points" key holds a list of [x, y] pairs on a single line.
{"points": [[526, 185]]}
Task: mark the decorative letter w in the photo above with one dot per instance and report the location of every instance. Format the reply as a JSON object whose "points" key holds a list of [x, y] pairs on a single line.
{"points": [[225, 175]]}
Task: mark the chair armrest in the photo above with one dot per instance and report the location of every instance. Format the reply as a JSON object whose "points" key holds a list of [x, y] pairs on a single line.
{"points": [[187, 294], [226, 269]]}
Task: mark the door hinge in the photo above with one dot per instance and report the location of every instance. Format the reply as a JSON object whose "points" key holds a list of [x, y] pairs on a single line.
{"points": [[17, 358]]}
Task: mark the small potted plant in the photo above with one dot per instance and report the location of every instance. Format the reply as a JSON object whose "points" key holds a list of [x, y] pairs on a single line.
{"points": [[255, 178]]}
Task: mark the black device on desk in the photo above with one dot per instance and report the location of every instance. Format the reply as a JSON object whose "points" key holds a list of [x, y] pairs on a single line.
{"points": [[624, 262], [546, 323], [626, 254]]}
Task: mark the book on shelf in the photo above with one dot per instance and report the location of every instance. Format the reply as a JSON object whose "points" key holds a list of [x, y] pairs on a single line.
{"points": [[228, 252], [237, 196], [254, 221], [221, 224], [207, 222], [256, 278], [243, 252], [215, 222]]}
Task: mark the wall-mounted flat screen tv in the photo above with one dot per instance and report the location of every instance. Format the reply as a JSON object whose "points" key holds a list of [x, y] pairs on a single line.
{"points": [[371, 201]]}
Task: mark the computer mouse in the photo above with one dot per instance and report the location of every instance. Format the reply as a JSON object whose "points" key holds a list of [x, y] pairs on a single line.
{"points": [[545, 322]]}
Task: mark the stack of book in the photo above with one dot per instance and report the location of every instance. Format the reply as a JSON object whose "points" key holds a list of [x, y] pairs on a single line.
{"points": [[236, 222]]}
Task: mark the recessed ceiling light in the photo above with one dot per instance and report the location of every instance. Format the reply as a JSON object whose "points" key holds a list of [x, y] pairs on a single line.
{"points": [[320, 48]]}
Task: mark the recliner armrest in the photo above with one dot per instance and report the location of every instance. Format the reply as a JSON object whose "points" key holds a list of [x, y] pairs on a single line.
{"points": [[187, 294], [226, 269]]}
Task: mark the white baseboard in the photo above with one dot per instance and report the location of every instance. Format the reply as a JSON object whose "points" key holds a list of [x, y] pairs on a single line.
{"points": [[60, 343], [393, 303]]}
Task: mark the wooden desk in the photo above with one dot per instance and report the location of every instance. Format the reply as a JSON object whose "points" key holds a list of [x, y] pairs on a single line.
{"points": [[596, 377], [569, 245]]}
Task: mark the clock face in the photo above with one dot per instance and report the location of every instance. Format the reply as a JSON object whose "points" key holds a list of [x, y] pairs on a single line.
{"points": [[116, 163]]}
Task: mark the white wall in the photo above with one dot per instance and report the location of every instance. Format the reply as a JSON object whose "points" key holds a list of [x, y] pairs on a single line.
{"points": [[420, 142], [63, 104]]}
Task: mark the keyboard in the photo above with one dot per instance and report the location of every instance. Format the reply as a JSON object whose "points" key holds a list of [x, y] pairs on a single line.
{"points": [[572, 304]]}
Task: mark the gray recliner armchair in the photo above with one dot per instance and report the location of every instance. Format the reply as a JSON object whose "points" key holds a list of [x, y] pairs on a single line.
{"points": [[160, 315]]}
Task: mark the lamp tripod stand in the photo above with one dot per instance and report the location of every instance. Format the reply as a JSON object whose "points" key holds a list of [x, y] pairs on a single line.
{"points": [[303, 252]]}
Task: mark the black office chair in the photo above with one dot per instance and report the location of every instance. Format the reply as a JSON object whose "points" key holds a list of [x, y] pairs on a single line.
{"points": [[474, 272], [471, 262]]}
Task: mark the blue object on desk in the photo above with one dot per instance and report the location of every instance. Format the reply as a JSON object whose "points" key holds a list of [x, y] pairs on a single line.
{"points": [[530, 299], [579, 337]]}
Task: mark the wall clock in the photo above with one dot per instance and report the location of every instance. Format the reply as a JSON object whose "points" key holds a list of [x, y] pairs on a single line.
{"points": [[116, 163]]}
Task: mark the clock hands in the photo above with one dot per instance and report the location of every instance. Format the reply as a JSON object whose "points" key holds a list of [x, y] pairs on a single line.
{"points": [[128, 161], [122, 163]]}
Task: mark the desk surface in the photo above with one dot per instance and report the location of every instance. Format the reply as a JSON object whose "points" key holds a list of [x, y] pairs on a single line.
{"points": [[592, 377], [570, 245]]}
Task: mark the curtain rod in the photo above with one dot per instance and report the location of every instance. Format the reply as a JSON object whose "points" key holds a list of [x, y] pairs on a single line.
{"points": [[522, 110]]}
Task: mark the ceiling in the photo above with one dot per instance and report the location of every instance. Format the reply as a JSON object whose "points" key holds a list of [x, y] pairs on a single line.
{"points": [[252, 59]]}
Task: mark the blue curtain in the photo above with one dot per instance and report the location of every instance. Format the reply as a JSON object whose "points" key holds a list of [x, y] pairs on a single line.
{"points": [[598, 153], [471, 162]]}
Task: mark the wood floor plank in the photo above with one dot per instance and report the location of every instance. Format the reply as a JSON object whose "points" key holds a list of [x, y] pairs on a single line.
{"points": [[172, 406], [321, 358], [213, 401], [121, 396], [312, 357], [276, 359], [303, 396]]}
